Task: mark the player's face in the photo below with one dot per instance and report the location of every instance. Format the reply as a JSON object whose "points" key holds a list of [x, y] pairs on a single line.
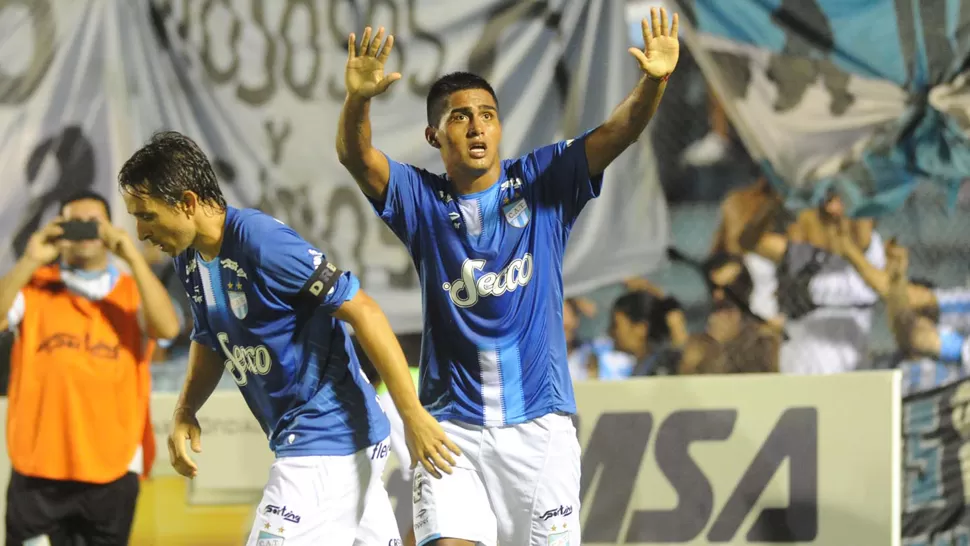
{"points": [[469, 132], [81, 253], [169, 228]]}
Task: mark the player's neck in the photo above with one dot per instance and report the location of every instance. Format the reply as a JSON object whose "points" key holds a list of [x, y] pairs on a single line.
{"points": [[208, 238], [466, 183]]}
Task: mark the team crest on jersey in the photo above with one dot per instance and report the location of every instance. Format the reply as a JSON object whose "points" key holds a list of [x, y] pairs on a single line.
{"points": [[516, 211], [238, 303], [234, 288], [514, 207]]}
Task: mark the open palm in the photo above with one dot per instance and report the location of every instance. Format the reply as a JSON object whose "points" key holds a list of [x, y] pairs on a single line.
{"points": [[364, 76], [661, 49]]}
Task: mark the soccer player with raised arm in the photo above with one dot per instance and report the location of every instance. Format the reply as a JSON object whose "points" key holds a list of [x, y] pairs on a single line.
{"points": [[488, 239], [269, 309]]}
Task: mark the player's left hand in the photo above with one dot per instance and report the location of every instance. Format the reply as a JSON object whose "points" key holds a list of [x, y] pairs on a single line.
{"points": [[661, 47], [117, 240], [428, 443]]}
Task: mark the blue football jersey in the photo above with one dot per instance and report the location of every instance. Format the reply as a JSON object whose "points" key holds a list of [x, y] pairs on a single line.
{"points": [[490, 266], [265, 304]]}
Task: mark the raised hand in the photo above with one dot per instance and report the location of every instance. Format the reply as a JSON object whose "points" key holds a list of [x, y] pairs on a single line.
{"points": [[42, 245], [365, 76], [661, 48]]}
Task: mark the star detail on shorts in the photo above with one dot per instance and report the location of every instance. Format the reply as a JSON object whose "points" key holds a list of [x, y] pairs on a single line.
{"points": [[553, 528], [266, 526], [280, 530]]}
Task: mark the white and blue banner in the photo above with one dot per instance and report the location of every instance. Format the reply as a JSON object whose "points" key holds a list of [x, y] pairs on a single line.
{"points": [[864, 97], [259, 84]]}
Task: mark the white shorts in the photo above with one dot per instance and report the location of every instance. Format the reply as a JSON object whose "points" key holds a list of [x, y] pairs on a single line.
{"points": [[338, 500], [515, 485]]}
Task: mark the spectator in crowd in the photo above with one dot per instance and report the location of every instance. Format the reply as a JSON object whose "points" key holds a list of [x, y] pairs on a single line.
{"points": [[929, 325], [645, 326], [949, 306], [733, 341], [582, 364], [828, 305], [78, 428], [746, 213]]}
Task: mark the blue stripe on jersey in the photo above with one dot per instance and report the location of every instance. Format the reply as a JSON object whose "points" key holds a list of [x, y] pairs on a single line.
{"points": [[510, 370]]}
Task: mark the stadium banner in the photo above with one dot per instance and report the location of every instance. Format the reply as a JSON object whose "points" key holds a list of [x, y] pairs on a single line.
{"points": [[704, 460], [865, 98], [260, 86], [936, 466]]}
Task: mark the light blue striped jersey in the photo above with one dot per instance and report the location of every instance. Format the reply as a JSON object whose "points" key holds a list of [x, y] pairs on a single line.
{"points": [[265, 304], [490, 266]]}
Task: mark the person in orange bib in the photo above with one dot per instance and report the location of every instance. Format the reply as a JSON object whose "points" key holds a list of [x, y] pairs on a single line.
{"points": [[78, 429]]}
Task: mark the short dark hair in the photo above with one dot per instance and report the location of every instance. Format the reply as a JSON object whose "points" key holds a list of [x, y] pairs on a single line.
{"points": [[452, 83], [169, 165], [640, 306], [83, 195]]}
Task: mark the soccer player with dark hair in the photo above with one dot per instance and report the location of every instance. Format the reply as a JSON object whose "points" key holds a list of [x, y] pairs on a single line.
{"points": [[488, 240], [269, 308]]}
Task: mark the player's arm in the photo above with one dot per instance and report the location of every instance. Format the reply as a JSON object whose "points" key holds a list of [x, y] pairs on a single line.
{"points": [[378, 341], [630, 118], [201, 379], [365, 79], [427, 441]]}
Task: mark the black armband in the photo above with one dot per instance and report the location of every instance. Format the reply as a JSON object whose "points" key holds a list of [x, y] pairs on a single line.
{"points": [[321, 282]]}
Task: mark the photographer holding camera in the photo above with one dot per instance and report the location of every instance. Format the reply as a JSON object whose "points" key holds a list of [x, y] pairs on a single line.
{"points": [[78, 428]]}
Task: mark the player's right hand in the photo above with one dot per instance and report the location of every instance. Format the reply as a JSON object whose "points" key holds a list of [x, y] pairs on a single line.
{"points": [[428, 443], [184, 427], [365, 76], [42, 245]]}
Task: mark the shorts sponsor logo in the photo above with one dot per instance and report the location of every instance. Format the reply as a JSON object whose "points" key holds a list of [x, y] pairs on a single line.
{"points": [[287, 515], [418, 484], [559, 539], [380, 450], [268, 539], [421, 518], [560, 511], [394, 542]]}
